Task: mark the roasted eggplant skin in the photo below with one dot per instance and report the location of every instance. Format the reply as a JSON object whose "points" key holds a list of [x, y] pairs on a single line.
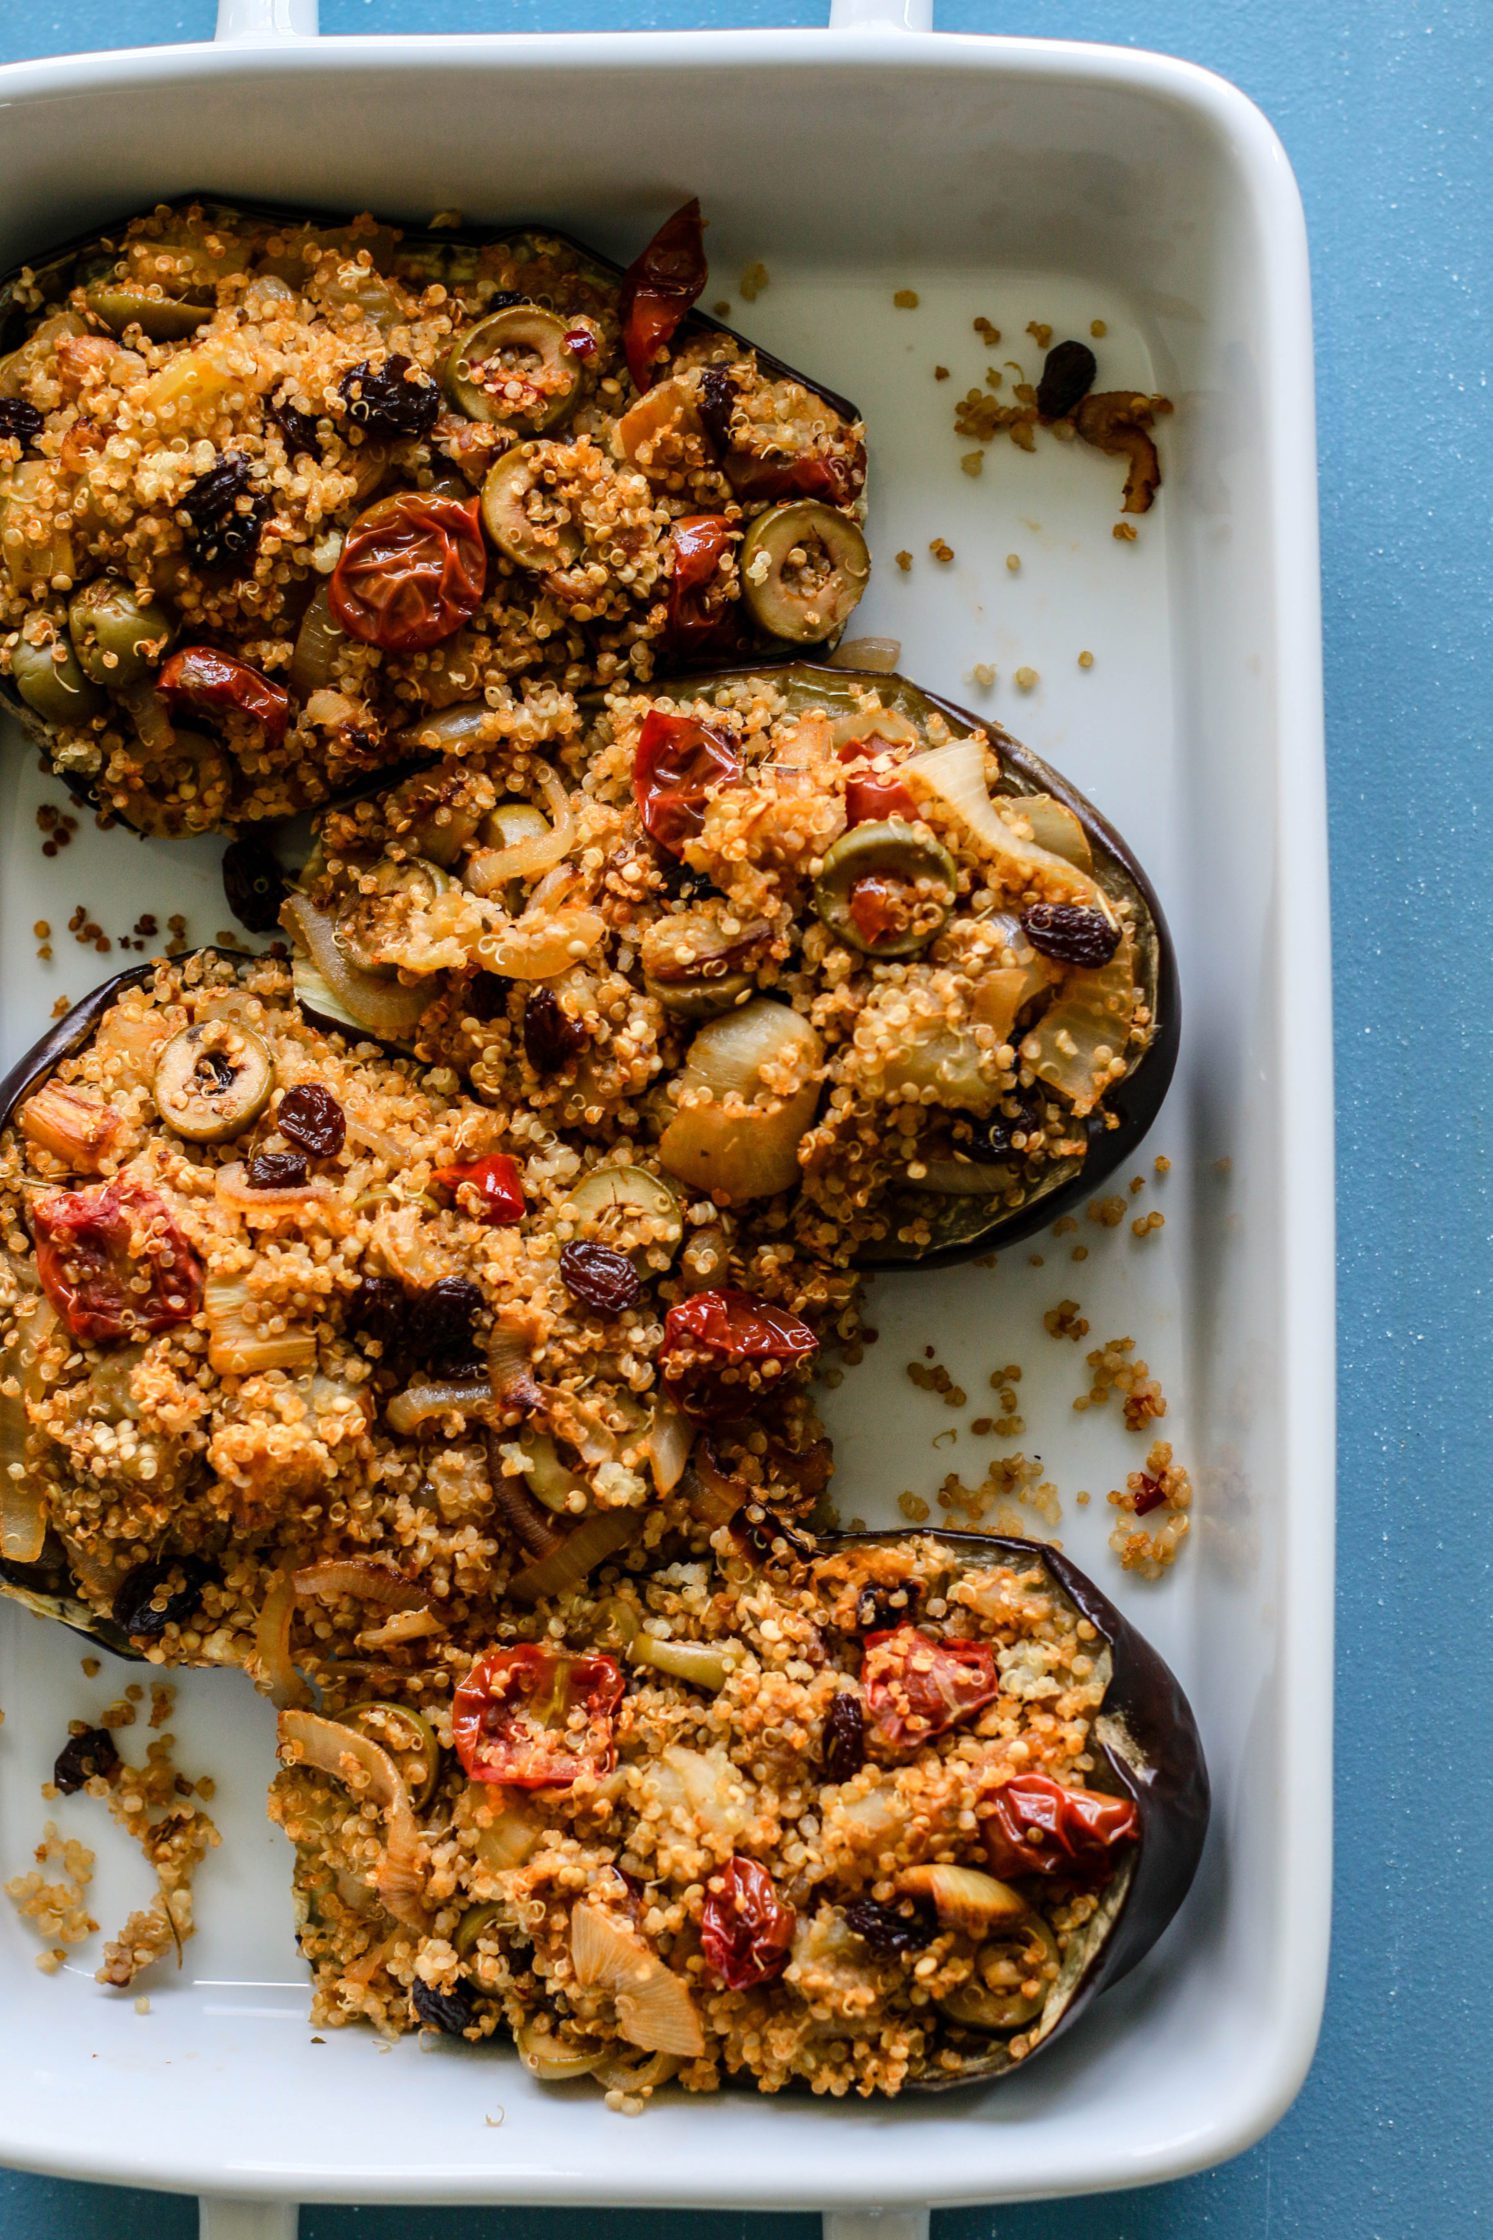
{"points": [[73, 263], [1153, 1754], [1134, 1103], [46, 1586]]}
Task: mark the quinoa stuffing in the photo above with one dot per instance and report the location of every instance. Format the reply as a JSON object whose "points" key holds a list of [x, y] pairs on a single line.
{"points": [[281, 504]]}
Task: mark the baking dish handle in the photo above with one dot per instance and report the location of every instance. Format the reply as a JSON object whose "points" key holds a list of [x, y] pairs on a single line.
{"points": [[221, 2219], [247, 22], [876, 2224]]}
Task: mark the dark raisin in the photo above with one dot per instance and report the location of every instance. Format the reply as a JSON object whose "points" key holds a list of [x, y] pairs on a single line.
{"points": [[444, 1317], [1070, 933], [603, 1280], [311, 1116], [254, 884], [222, 527], [714, 401], [844, 1744], [20, 421], [1067, 378], [485, 996], [888, 1928], [453, 2012], [879, 1609], [681, 883], [277, 1170], [141, 1609], [387, 402], [82, 1756], [298, 429], [380, 1309], [1021, 1112], [766, 1535], [551, 1036]]}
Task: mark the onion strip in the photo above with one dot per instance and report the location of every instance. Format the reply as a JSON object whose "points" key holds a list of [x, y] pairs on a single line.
{"points": [[277, 1674], [331, 1748]]}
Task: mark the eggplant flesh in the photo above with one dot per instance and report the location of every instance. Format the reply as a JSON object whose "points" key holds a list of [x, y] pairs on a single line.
{"points": [[420, 255], [1151, 1752], [965, 1226]]}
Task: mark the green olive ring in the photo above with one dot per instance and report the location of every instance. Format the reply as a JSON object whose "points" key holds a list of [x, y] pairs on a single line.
{"points": [[60, 691], [212, 1081], [516, 326], [803, 569], [361, 934], [889, 850], [118, 637], [544, 546]]}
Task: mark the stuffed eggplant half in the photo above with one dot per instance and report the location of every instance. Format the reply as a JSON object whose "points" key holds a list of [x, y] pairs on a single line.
{"points": [[876, 1816], [814, 947], [283, 501], [304, 1356]]}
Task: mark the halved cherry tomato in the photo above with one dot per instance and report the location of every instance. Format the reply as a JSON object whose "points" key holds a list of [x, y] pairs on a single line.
{"points": [[533, 1718], [498, 1182], [878, 906], [113, 1262], [1036, 1826], [713, 1341], [658, 288], [918, 1685], [872, 800], [746, 1931], [678, 760], [699, 597], [201, 677], [413, 569]]}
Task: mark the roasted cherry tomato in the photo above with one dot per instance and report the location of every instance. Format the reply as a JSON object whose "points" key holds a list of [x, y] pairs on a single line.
{"points": [[918, 1685], [746, 1931], [678, 760], [812, 475], [201, 677], [498, 1184], [700, 602], [872, 800], [878, 906], [714, 1340], [658, 288], [1035, 1826], [532, 1718], [113, 1262], [413, 569]]}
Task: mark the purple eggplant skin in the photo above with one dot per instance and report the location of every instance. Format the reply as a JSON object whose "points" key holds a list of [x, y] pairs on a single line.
{"points": [[1133, 1102], [1153, 1754]]}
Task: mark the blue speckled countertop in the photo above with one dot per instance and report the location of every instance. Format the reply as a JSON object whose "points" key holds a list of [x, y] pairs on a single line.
{"points": [[1386, 109]]}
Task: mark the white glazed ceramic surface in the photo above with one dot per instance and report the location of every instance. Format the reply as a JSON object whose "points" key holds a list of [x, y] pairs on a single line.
{"points": [[1019, 181]]}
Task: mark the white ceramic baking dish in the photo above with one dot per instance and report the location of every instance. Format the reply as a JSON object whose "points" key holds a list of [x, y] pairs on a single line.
{"points": [[1003, 178]]}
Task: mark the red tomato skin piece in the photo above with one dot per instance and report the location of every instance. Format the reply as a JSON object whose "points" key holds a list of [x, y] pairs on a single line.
{"points": [[413, 569], [202, 677], [658, 288], [90, 1248], [678, 759], [498, 1180]]}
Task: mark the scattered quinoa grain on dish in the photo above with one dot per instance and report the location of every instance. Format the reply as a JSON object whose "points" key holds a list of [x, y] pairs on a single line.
{"points": [[941, 549], [906, 299], [989, 334], [1162, 1483], [1086, 659], [983, 675], [1027, 679], [1065, 1321], [1115, 1367], [913, 1507], [1079, 1252], [1124, 532], [940, 373], [973, 462], [1040, 332], [1013, 563], [1106, 1213], [1162, 1163], [752, 282], [1098, 329], [904, 562], [1145, 1225]]}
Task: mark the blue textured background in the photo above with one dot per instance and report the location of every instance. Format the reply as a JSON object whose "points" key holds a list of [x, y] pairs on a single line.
{"points": [[1385, 108]]}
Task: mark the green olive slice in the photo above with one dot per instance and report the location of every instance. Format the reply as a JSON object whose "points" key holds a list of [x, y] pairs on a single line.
{"points": [[474, 1923], [995, 1997], [375, 914], [409, 1738], [515, 369], [542, 537], [117, 636], [895, 851], [612, 1203], [803, 569], [58, 690], [212, 1081], [162, 318], [699, 997]]}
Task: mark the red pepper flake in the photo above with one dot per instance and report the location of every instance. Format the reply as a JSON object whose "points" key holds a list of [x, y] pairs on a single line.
{"points": [[497, 1182]]}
